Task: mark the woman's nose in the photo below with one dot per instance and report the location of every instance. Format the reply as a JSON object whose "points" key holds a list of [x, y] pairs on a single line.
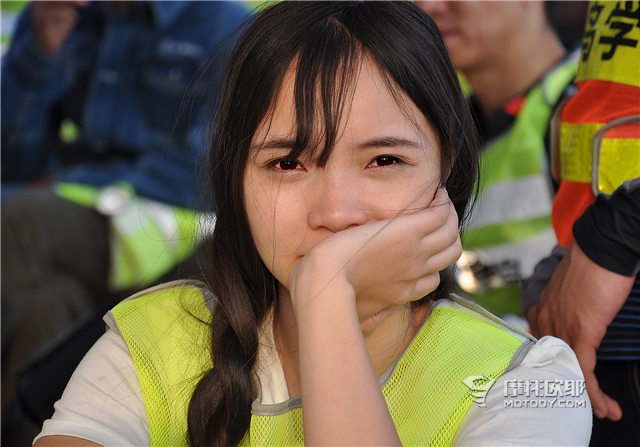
{"points": [[336, 205]]}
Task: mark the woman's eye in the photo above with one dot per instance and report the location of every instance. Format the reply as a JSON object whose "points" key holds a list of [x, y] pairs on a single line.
{"points": [[384, 160], [287, 165]]}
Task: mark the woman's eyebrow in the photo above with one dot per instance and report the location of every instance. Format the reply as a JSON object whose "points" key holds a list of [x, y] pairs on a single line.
{"points": [[389, 141], [275, 143]]}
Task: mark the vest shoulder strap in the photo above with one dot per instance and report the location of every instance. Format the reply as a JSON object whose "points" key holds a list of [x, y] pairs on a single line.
{"points": [[555, 82], [543, 98]]}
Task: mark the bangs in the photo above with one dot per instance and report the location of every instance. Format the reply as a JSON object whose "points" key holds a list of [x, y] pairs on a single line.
{"points": [[326, 69]]}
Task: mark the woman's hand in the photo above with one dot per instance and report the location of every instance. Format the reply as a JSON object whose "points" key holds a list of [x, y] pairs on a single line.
{"points": [[344, 286], [386, 263]]}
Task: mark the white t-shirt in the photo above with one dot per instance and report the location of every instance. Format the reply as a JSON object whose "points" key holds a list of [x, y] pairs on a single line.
{"points": [[103, 401]]}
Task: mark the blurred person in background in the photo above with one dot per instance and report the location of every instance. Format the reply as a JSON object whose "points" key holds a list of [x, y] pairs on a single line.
{"points": [[109, 203], [518, 70], [588, 291]]}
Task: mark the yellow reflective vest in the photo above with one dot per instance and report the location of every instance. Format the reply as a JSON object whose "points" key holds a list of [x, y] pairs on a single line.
{"points": [[146, 238], [598, 145], [428, 389]]}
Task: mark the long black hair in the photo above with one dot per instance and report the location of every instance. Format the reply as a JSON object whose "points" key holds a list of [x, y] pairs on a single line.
{"points": [[325, 42]]}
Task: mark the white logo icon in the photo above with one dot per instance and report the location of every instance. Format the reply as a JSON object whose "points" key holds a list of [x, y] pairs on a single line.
{"points": [[478, 388]]}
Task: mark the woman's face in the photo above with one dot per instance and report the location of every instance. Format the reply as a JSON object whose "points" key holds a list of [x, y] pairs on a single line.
{"points": [[385, 161]]}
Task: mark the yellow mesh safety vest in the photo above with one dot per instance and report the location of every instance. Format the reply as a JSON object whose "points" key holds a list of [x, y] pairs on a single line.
{"points": [[511, 221], [146, 238], [166, 329], [514, 170]]}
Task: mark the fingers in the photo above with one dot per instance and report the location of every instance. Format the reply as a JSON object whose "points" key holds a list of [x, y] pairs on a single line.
{"points": [[441, 197], [598, 402], [614, 412], [603, 405], [447, 251], [543, 324], [439, 212], [428, 239], [427, 279], [442, 211], [440, 249], [440, 244], [433, 265], [425, 286], [439, 222]]}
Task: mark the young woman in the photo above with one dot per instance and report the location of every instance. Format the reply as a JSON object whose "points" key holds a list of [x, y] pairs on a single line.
{"points": [[339, 128]]}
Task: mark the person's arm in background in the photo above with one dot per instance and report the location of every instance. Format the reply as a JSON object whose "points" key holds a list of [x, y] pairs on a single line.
{"points": [[34, 77], [169, 174], [592, 283], [157, 113]]}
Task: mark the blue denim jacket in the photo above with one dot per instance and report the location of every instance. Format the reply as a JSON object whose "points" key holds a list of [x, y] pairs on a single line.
{"points": [[121, 76]]}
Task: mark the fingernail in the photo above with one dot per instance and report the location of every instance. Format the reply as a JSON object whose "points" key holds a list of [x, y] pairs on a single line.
{"points": [[445, 189]]}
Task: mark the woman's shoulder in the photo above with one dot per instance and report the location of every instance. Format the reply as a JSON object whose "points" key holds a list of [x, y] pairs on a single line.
{"points": [[189, 291], [103, 399], [535, 353], [169, 307], [474, 315], [540, 401]]}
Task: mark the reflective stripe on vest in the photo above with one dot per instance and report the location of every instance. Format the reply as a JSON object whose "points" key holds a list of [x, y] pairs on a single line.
{"points": [[166, 329], [619, 154], [146, 238], [514, 205]]}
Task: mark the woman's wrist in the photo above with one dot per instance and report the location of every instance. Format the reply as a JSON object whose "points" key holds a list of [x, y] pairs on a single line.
{"points": [[315, 284]]}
